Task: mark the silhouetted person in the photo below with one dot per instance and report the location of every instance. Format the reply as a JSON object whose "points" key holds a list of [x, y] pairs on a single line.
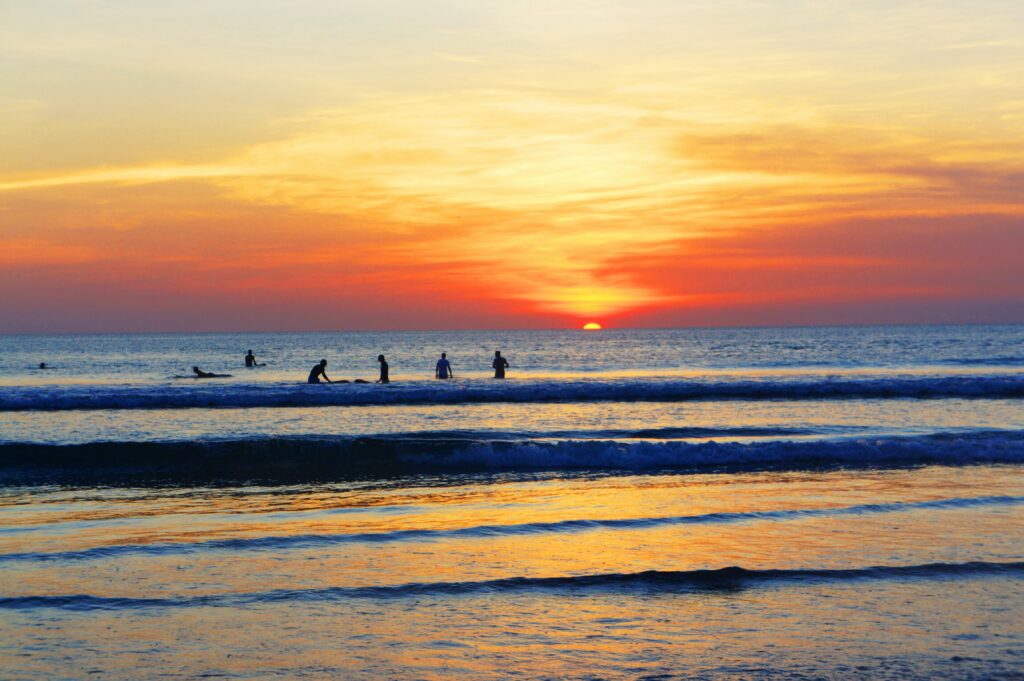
{"points": [[444, 367], [250, 360], [42, 365], [206, 374], [499, 364], [317, 371], [383, 370]]}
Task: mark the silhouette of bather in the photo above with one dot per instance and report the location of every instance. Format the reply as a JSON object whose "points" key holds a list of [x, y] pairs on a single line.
{"points": [[444, 367], [250, 361], [499, 364], [317, 371], [206, 374]]}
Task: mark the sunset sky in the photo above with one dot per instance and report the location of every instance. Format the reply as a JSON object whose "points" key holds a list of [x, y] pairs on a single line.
{"points": [[313, 165]]}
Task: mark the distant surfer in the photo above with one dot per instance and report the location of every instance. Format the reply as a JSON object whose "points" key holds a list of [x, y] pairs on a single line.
{"points": [[444, 367], [383, 370], [206, 374], [317, 371], [250, 361], [499, 364], [42, 365]]}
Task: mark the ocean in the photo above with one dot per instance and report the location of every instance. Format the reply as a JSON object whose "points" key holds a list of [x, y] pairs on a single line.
{"points": [[842, 502]]}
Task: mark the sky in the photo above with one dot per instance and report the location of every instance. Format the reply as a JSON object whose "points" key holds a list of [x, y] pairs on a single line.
{"points": [[232, 165]]}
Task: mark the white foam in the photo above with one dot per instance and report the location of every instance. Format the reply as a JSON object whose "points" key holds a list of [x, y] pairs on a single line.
{"points": [[170, 396]]}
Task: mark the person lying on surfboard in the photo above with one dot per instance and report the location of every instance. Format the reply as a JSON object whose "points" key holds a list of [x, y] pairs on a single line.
{"points": [[206, 374]]}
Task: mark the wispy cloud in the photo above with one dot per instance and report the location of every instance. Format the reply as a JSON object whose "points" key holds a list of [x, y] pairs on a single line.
{"points": [[567, 161]]}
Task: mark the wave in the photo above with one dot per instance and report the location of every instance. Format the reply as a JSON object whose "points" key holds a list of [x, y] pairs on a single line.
{"points": [[1002, 360], [683, 581], [290, 542], [282, 460], [240, 395], [666, 433]]}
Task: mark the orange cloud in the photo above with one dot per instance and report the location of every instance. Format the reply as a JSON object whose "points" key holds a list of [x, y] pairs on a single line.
{"points": [[826, 269], [34, 252], [642, 162]]}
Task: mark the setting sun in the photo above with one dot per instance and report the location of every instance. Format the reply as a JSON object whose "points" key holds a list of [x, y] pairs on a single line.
{"points": [[698, 174], [341, 249]]}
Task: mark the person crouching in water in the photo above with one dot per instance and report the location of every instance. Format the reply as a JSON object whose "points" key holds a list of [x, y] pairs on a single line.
{"points": [[499, 364], [383, 370], [317, 371]]}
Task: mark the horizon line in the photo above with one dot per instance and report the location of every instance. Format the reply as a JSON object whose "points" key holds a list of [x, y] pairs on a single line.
{"points": [[500, 330]]}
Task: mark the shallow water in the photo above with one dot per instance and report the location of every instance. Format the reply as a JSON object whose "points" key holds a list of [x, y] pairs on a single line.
{"points": [[483, 576], [842, 503]]}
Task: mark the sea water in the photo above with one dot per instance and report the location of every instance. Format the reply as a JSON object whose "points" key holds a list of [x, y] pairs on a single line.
{"points": [[703, 503]]}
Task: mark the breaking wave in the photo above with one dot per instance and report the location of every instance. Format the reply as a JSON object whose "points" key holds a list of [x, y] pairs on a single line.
{"points": [[306, 459], [242, 395], [730, 578]]}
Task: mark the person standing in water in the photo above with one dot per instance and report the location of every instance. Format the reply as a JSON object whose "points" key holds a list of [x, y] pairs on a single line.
{"points": [[250, 360], [499, 364], [317, 371], [444, 367], [383, 370]]}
